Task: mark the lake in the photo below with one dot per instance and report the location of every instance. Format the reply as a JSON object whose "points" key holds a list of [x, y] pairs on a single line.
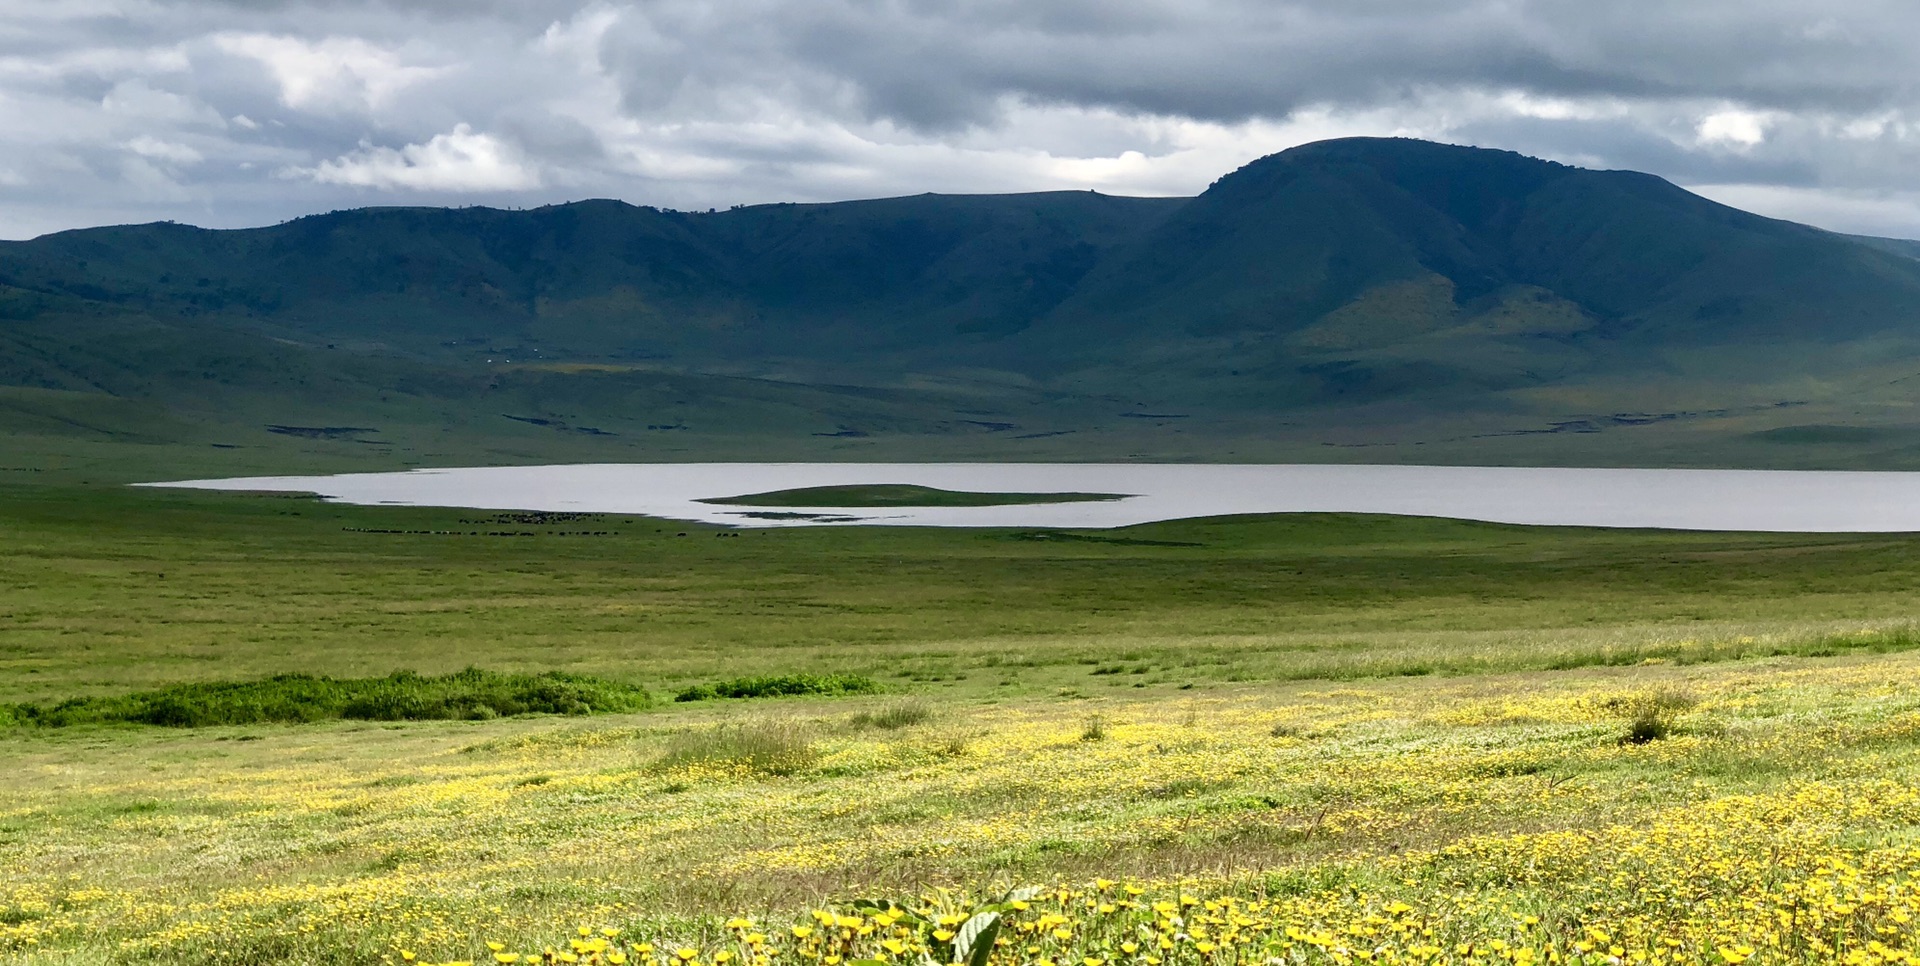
{"points": [[1769, 500]]}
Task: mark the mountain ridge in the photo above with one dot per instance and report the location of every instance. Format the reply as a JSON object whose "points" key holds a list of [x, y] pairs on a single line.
{"points": [[1345, 290]]}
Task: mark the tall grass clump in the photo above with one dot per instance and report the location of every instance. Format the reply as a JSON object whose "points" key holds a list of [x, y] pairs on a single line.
{"points": [[783, 686], [1651, 714], [471, 694], [766, 747], [893, 717], [1095, 730]]}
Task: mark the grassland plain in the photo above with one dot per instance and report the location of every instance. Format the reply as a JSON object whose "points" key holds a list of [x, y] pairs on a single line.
{"points": [[1306, 739]]}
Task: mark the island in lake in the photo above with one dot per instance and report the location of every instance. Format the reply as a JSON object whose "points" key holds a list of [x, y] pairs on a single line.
{"points": [[901, 495]]}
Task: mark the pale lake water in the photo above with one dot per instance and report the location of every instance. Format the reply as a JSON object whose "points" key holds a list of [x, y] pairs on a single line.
{"points": [[1780, 501]]}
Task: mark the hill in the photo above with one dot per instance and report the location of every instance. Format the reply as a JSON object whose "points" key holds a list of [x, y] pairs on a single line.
{"points": [[1377, 299], [1898, 246]]}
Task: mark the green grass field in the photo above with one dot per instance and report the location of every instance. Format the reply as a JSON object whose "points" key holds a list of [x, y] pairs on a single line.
{"points": [[1330, 717], [109, 588]]}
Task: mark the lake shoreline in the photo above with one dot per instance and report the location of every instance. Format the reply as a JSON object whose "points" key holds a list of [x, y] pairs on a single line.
{"points": [[1778, 501]]}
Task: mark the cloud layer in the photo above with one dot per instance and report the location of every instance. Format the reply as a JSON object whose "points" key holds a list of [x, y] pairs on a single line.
{"points": [[241, 112]]}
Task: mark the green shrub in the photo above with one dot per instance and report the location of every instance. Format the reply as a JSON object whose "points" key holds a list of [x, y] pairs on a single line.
{"points": [[783, 686], [471, 694]]}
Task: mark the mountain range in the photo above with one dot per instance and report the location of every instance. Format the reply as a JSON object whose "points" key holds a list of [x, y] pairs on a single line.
{"points": [[1386, 300]]}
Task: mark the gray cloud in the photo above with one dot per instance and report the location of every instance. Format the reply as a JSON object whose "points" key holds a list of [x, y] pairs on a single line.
{"points": [[233, 112]]}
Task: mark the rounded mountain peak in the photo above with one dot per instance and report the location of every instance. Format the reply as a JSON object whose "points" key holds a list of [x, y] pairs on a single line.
{"points": [[1401, 158], [1470, 184]]}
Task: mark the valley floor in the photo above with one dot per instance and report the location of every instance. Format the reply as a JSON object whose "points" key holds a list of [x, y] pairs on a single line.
{"points": [[1311, 739]]}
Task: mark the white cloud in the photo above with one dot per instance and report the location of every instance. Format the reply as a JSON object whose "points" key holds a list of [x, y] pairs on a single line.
{"points": [[1733, 127], [137, 98], [332, 74], [168, 151], [457, 161], [152, 181], [703, 103], [580, 38], [97, 61], [1519, 103]]}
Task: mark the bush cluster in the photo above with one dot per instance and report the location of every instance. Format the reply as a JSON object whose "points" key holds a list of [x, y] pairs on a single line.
{"points": [[782, 686], [404, 696]]}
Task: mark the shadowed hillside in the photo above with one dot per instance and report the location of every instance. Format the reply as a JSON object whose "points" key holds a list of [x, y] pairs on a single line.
{"points": [[1386, 300]]}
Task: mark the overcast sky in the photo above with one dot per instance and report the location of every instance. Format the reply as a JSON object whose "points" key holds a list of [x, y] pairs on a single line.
{"points": [[229, 113]]}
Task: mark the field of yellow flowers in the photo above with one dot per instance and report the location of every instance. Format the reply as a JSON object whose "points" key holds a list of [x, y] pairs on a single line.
{"points": [[1312, 739], [1758, 811]]}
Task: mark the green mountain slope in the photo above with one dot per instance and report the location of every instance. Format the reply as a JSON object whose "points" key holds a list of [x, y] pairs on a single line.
{"points": [[600, 279], [1375, 299], [1898, 246], [1386, 265]]}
